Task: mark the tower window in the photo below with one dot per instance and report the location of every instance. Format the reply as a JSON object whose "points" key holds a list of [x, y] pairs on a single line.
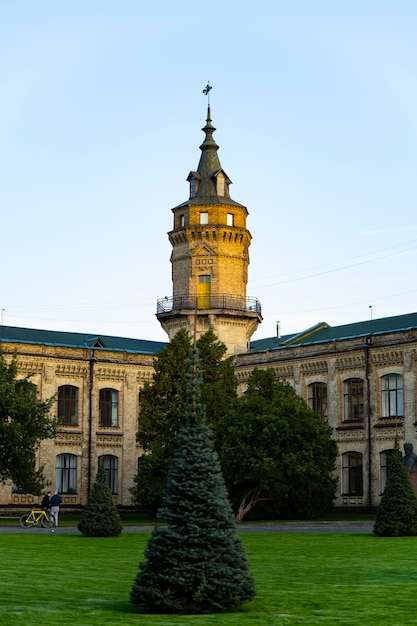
{"points": [[230, 219], [204, 217], [220, 185], [182, 221], [193, 188]]}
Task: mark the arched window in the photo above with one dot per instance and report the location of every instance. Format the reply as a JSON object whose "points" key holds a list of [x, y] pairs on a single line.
{"points": [[385, 464], [110, 464], [352, 475], [353, 400], [317, 399], [392, 396], [66, 473], [109, 408], [68, 405]]}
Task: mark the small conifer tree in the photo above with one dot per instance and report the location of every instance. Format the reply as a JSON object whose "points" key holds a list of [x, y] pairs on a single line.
{"points": [[100, 517], [397, 513], [197, 563]]}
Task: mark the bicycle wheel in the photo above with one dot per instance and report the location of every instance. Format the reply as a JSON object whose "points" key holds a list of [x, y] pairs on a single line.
{"points": [[25, 522], [45, 522]]}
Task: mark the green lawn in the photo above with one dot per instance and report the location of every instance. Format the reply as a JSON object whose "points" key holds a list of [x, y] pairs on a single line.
{"points": [[318, 578]]}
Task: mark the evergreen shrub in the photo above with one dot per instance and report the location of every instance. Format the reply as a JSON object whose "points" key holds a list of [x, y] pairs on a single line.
{"points": [[100, 517], [397, 513]]}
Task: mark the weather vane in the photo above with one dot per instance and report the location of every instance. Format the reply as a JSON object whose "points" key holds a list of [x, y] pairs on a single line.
{"points": [[206, 91]]}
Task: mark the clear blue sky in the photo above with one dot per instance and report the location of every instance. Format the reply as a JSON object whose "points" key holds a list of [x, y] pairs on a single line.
{"points": [[101, 112]]}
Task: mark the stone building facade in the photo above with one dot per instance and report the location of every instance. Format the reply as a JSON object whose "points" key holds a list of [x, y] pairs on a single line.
{"points": [[360, 378], [96, 382]]}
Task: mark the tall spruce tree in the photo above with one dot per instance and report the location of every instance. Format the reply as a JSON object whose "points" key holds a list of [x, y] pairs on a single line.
{"points": [[100, 517], [162, 404], [396, 515], [197, 563]]}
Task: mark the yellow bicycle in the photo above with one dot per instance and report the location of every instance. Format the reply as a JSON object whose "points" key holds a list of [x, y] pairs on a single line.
{"points": [[35, 517]]}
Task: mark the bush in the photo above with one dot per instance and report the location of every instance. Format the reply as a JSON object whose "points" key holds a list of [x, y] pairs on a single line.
{"points": [[100, 517]]}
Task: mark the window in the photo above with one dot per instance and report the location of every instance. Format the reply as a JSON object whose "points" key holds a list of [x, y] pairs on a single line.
{"points": [[193, 187], [66, 473], [220, 185], [109, 408], [230, 219], [25, 386], [182, 221], [68, 405], [352, 477], [353, 400], [204, 217], [110, 463], [385, 464], [317, 399], [392, 396]]}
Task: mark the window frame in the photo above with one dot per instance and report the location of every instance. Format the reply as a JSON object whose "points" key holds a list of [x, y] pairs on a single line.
{"points": [[111, 469], [353, 400], [68, 406], [392, 396], [385, 460], [352, 474], [66, 473], [108, 408], [317, 400]]}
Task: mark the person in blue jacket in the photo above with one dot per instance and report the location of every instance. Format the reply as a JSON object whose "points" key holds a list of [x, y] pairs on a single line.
{"points": [[55, 502]]}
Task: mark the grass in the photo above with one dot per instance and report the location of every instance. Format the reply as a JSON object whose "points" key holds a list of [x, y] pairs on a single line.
{"points": [[309, 579]]}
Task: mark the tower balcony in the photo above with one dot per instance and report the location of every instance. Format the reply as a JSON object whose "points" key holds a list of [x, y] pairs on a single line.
{"points": [[222, 302]]}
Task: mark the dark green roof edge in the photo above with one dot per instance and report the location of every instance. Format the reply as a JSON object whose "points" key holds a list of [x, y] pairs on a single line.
{"points": [[203, 200], [326, 333], [15, 334]]}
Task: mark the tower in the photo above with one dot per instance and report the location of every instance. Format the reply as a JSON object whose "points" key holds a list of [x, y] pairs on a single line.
{"points": [[210, 258]]}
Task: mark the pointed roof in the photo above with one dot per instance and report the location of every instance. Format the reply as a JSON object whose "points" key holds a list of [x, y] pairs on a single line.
{"points": [[209, 160], [208, 171]]}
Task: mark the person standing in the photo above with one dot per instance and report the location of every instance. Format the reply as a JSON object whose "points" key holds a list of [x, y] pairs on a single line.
{"points": [[46, 501], [55, 502]]}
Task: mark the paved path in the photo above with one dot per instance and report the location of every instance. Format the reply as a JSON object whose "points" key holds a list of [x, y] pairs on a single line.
{"points": [[264, 527]]}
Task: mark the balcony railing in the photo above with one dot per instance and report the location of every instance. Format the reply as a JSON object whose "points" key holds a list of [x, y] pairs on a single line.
{"points": [[220, 301]]}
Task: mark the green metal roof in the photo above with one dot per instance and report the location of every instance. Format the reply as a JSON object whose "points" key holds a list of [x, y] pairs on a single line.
{"points": [[79, 340], [322, 333]]}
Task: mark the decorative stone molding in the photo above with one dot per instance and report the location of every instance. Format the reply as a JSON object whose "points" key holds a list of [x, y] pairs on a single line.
{"points": [[109, 372], [385, 434], [67, 439], [311, 367], [71, 368], [388, 357], [30, 366], [350, 436], [350, 362], [110, 440]]}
